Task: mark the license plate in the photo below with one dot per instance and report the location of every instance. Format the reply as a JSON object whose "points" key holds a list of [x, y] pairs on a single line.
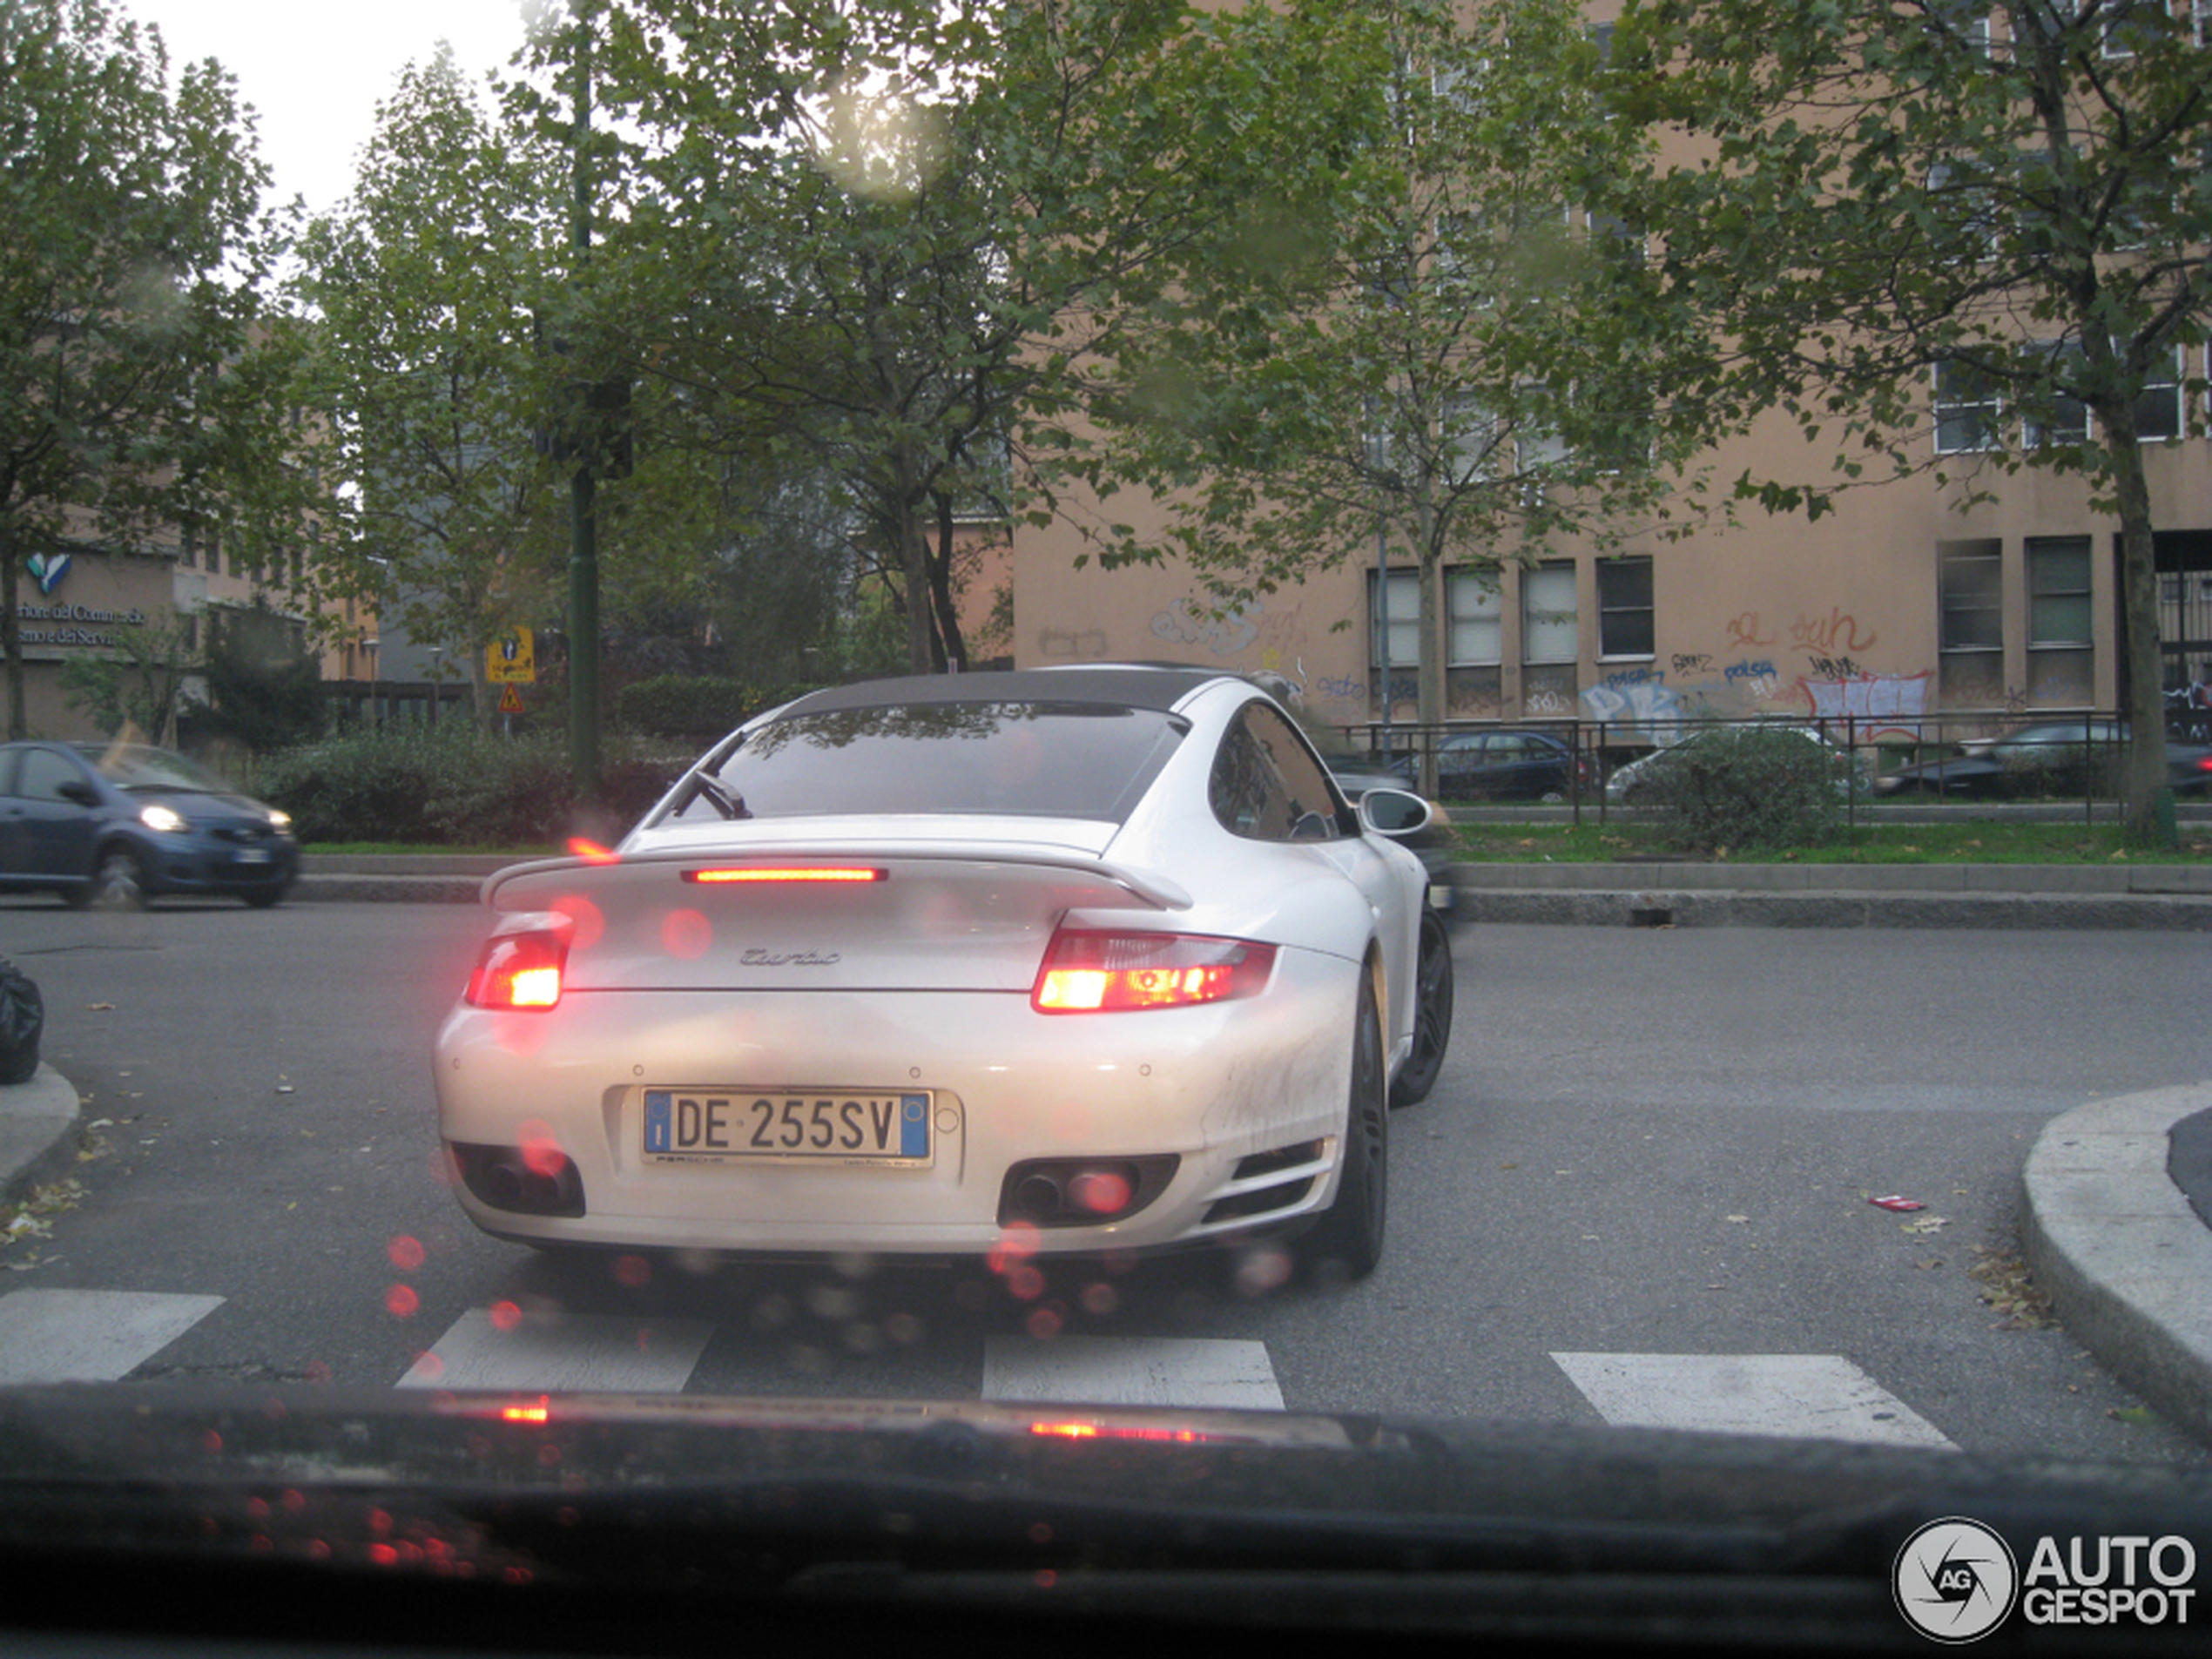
{"points": [[839, 1125], [254, 855]]}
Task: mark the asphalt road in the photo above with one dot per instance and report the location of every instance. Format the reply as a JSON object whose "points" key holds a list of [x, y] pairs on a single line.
{"points": [[1646, 1143]]}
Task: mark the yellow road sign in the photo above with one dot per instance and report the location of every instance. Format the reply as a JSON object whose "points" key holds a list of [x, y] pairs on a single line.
{"points": [[510, 700], [512, 659]]}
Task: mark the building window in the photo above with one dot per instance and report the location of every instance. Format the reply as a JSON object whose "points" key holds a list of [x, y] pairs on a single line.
{"points": [[1405, 596], [2158, 411], [1970, 589], [1547, 630], [2060, 647], [1624, 625], [1478, 620], [2065, 419], [1969, 409], [1550, 644]]}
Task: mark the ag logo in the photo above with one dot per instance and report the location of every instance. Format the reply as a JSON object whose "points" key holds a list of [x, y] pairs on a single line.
{"points": [[1955, 1580], [47, 572]]}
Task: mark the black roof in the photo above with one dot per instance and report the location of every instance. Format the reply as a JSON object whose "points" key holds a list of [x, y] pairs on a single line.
{"points": [[1121, 685]]}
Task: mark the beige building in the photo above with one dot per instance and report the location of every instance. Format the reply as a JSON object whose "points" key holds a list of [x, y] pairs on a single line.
{"points": [[89, 603], [1905, 609], [1897, 606]]}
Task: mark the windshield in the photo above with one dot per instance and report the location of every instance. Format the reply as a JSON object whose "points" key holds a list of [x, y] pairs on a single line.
{"points": [[950, 798], [135, 767]]}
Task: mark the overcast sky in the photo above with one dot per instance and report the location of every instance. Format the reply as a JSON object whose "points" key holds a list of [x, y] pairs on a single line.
{"points": [[315, 69]]}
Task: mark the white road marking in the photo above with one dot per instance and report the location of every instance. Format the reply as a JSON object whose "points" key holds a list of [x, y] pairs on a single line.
{"points": [[1822, 1396], [1131, 1370], [594, 1353], [91, 1336]]}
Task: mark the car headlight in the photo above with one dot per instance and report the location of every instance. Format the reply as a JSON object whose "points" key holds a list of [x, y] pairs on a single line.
{"points": [[280, 822], [165, 819]]}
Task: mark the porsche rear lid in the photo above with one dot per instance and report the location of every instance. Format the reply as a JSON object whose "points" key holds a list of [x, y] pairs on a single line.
{"points": [[810, 915]]}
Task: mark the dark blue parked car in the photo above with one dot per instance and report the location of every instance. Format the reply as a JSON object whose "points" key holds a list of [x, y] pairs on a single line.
{"points": [[119, 823]]}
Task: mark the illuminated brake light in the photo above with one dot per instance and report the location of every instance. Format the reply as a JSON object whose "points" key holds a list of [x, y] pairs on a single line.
{"points": [[1081, 1431], [520, 970], [785, 872], [1103, 973], [537, 1411]]}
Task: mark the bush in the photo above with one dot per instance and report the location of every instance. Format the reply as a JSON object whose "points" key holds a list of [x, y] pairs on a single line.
{"points": [[449, 785], [1758, 789]]}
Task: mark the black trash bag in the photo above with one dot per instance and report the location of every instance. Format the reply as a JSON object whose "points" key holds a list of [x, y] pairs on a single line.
{"points": [[23, 1016]]}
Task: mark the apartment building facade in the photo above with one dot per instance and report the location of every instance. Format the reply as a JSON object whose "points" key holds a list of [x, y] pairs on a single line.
{"points": [[1961, 595]]}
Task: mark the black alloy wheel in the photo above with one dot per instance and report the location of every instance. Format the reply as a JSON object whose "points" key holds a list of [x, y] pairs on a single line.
{"points": [[1433, 996], [1349, 1238]]}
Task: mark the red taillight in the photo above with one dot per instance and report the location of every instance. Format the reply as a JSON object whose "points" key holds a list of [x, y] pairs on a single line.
{"points": [[1092, 972], [778, 873], [520, 970]]}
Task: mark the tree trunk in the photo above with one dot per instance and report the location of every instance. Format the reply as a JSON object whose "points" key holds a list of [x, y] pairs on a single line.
{"points": [[2146, 710], [1429, 702], [11, 634], [942, 602]]}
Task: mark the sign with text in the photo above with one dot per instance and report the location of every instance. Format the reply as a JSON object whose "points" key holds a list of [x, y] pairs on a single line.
{"points": [[512, 659]]}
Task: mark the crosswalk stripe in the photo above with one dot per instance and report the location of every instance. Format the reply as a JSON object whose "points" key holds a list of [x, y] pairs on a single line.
{"points": [[91, 1336], [1822, 1396], [1131, 1370], [504, 1348]]}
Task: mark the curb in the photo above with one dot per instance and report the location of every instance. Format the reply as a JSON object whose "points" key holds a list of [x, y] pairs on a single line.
{"points": [[37, 1128], [1678, 908], [2124, 1256]]}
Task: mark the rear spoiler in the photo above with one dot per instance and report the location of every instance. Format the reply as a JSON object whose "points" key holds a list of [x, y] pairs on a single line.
{"points": [[1148, 887]]}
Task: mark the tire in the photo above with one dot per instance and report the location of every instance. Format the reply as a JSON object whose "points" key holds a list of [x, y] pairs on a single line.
{"points": [[119, 883], [1433, 997], [1349, 1240]]}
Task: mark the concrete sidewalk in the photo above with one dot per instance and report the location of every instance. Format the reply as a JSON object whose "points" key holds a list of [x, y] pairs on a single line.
{"points": [[2119, 1192]]}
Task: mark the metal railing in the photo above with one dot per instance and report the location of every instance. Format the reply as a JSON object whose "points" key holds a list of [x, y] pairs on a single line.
{"points": [[1918, 757]]}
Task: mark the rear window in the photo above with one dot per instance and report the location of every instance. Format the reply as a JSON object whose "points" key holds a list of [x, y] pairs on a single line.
{"points": [[1029, 759]]}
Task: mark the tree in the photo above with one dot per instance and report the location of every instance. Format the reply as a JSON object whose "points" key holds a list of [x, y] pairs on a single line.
{"points": [[2009, 204], [877, 239], [424, 358], [1412, 330], [137, 686], [132, 382]]}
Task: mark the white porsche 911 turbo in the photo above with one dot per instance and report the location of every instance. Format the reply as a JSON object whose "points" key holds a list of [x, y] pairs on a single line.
{"points": [[1084, 960]]}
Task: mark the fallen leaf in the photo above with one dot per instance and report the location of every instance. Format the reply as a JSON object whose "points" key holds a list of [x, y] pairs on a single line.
{"points": [[1926, 1224], [99, 1008]]}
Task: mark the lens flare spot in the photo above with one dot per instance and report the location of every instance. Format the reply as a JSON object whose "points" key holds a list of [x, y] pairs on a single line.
{"points": [[588, 921], [1026, 1283], [541, 1153], [686, 933], [1101, 1193], [1100, 1299], [504, 1316], [401, 1301], [633, 1272], [407, 1253], [1017, 1243], [1044, 1324]]}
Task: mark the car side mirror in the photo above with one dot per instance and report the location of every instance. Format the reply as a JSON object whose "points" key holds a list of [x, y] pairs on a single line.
{"points": [[1395, 812], [78, 792]]}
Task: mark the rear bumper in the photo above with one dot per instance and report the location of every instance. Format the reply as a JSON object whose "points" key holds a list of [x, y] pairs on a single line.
{"points": [[1247, 1098]]}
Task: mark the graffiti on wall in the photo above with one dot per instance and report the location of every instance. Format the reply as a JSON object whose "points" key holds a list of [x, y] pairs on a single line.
{"points": [[1882, 704], [1190, 622]]}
